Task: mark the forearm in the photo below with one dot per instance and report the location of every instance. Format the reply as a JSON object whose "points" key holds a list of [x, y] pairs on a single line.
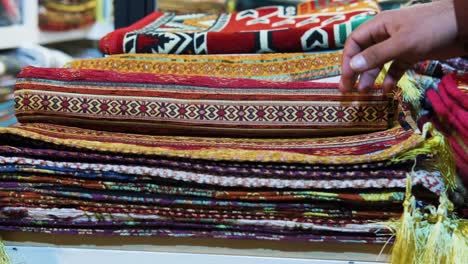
{"points": [[461, 12]]}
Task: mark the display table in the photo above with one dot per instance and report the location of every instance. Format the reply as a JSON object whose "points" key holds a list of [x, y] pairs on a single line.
{"points": [[28, 248]]}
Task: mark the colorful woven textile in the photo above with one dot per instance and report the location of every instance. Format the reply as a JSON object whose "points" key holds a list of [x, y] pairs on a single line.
{"points": [[58, 179], [271, 67], [262, 30], [357, 149], [240, 5], [112, 172], [147, 103], [438, 69], [240, 169], [105, 191], [359, 206], [449, 112], [460, 64]]}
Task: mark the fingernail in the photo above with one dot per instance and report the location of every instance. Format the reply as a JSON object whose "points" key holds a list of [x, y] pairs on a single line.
{"points": [[358, 63]]}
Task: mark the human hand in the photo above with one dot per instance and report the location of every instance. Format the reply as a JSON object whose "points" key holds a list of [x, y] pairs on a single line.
{"points": [[406, 36]]}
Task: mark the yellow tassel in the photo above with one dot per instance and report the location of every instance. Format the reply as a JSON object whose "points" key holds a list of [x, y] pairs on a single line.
{"points": [[438, 145], [439, 241], [459, 252], [404, 247], [422, 230], [410, 90], [445, 161], [4, 259]]}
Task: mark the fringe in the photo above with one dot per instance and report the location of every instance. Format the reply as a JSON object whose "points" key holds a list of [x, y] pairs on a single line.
{"points": [[4, 259], [436, 145]]}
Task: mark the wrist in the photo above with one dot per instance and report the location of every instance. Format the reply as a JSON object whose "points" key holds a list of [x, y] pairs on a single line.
{"points": [[460, 8]]}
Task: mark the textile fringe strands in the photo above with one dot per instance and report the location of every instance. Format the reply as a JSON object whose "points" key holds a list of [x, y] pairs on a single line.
{"points": [[271, 67], [4, 259], [433, 238]]}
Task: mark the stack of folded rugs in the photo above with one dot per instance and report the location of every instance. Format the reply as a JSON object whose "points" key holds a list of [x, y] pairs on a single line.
{"points": [[227, 146]]}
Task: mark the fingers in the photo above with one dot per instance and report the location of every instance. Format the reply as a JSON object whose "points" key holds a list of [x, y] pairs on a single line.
{"points": [[348, 76], [367, 80], [366, 35], [394, 74], [374, 57], [381, 53]]}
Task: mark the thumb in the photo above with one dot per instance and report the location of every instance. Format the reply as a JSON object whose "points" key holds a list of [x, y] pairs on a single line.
{"points": [[377, 55]]}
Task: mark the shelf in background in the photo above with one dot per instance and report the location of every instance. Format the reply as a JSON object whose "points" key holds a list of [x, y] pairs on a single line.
{"points": [[16, 35], [94, 32], [54, 37]]}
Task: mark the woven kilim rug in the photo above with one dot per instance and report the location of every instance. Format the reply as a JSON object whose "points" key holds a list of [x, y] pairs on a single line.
{"points": [[263, 30], [271, 67], [121, 172], [240, 169], [356, 149], [193, 105]]}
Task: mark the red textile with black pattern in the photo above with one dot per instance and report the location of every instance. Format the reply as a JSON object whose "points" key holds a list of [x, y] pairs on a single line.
{"points": [[262, 30]]}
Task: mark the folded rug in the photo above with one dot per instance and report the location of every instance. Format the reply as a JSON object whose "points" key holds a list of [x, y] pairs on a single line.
{"points": [[271, 67], [270, 170], [448, 110], [262, 30], [193, 105], [345, 205], [357, 149], [119, 172]]}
